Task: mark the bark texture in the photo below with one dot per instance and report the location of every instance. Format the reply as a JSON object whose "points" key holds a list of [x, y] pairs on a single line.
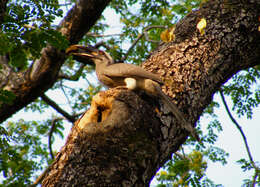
{"points": [[125, 137], [41, 76]]}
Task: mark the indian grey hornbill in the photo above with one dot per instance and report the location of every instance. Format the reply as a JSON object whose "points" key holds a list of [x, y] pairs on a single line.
{"points": [[127, 76]]}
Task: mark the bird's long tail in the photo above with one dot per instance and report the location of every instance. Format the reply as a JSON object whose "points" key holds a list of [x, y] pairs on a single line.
{"points": [[178, 114]]}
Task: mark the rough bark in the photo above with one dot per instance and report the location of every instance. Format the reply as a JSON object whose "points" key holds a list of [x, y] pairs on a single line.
{"points": [[41, 76], [125, 137]]}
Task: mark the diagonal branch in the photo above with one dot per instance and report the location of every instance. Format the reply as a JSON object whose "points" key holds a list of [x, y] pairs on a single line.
{"points": [[74, 77], [64, 92], [41, 177], [144, 33], [241, 132], [53, 123], [74, 26], [57, 108]]}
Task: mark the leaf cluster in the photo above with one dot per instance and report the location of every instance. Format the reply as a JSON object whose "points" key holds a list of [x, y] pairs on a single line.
{"points": [[244, 91], [23, 153], [188, 170], [27, 28]]}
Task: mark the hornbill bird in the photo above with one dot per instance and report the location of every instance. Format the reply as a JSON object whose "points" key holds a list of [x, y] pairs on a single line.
{"points": [[128, 76]]}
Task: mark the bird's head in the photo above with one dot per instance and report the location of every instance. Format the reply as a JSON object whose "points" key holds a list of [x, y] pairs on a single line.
{"points": [[89, 54]]}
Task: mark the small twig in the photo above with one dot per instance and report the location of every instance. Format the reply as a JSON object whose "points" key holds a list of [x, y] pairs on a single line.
{"points": [[182, 150], [57, 108], [74, 77], [255, 177], [53, 123], [41, 177], [180, 155], [102, 35], [65, 94], [132, 46], [242, 134], [67, 87], [150, 40], [102, 43], [67, 77], [149, 28], [144, 33]]}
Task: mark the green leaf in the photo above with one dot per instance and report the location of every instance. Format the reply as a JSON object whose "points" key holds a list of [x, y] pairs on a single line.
{"points": [[18, 58]]}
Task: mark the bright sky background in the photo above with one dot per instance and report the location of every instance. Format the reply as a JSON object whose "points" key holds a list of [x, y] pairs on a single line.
{"points": [[230, 140]]}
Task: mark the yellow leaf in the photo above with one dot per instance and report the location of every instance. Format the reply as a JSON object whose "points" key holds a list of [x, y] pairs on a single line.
{"points": [[164, 35], [163, 173], [24, 127], [202, 25], [168, 34]]}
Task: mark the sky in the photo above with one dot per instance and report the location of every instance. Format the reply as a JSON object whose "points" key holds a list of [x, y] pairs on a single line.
{"points": [[231, 141], [229, 175]]}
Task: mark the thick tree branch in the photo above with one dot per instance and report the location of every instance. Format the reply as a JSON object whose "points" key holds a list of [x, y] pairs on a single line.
{"points": [[81, 18], [125, 136], [57, 108], [41, 76]]}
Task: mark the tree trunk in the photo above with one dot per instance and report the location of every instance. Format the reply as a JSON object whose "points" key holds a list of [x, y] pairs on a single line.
{"points": [[125, 137]]}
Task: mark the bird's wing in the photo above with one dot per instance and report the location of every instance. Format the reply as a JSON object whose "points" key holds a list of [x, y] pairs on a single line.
{"points": [[129, 70]]}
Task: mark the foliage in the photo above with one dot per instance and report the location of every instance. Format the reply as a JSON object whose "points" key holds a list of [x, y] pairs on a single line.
{"points": [[29, 26], [244, 91], [24, 153], [184, 171], [247, 166]]}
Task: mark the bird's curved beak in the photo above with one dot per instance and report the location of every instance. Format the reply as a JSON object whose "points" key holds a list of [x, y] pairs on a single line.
{"points": [[84, 54]]}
